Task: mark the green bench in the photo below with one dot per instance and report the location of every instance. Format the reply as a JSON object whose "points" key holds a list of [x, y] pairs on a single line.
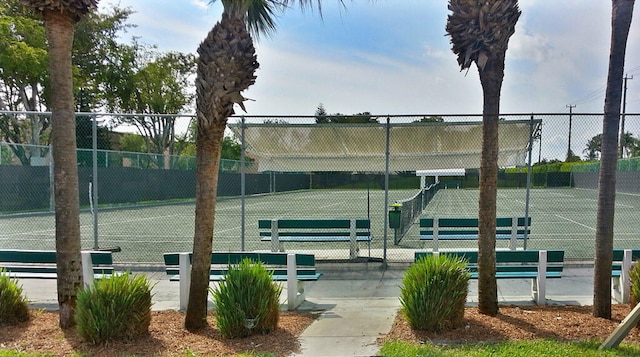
{"points": [[279, 231], [295, 269], [41, 264], [623, 260], [437, 229], [538, 265]]}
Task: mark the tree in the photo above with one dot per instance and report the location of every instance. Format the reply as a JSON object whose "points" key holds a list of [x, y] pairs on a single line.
{"points": [[480, 32], [594, 145], [158, 84], [226, 66], [59, 18], [621, 14], [431, 119], [23, 63], [23, 74], [322, 117]]}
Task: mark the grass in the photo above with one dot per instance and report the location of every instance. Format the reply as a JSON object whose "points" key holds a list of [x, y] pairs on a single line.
{"points": [[538, 348]]}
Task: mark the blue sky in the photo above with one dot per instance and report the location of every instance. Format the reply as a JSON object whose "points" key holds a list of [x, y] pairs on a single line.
{"points": [[392, 57]]}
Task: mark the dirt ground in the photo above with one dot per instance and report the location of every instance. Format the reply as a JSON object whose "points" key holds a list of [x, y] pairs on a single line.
{"points": [[168, 337]]}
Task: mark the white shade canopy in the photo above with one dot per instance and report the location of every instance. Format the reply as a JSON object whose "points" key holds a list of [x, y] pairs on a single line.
{"points": [[362, 147]]}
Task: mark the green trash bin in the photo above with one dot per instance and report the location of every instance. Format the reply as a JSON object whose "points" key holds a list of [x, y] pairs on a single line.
{"points": [[394, 216]]}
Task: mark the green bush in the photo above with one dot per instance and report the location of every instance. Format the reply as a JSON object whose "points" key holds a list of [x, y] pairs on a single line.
{"points": [[634, 276], [114, 308], [247, 301], [434, 292], [14, 307]]}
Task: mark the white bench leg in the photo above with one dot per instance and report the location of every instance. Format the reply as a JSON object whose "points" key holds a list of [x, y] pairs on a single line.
{"points": [[87, 268], [185, 279], [540, 282], [295, 288], [275, 239], [625, 280], [353, 245]]}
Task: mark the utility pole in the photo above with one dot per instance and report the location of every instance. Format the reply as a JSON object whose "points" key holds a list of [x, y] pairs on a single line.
{"points": [[624, 110], [570, 119]]}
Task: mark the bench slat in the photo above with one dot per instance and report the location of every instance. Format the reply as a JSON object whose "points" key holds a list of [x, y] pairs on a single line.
{"points": [[41, 264]]}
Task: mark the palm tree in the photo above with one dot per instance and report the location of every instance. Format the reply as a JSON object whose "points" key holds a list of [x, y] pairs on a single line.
{"points": [[594, 145], [480, 32], [226, 67], [59, 18], [621, 14]]}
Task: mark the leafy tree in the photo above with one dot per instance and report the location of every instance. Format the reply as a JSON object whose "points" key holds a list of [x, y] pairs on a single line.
{"points": [[23, 64], [431, 119], [572, 157], [621, 14], [59, 18], [226, 53], [480, 32], [97, 57], [322, 117], [158, 84]]}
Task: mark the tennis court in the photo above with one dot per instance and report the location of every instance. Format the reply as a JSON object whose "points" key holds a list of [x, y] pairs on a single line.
{"points": [[561, 219]]}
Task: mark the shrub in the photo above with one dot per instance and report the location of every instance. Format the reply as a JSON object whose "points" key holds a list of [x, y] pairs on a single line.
{"points": [[247, 301], [634, 276], [114, 308], [14, 307], [434, 292]]}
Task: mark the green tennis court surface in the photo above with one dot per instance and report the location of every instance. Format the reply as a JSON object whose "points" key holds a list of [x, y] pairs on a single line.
{"points": [[561, 219]]}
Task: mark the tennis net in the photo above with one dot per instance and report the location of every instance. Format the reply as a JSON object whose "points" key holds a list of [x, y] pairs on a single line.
{"points": [[411, 208]]}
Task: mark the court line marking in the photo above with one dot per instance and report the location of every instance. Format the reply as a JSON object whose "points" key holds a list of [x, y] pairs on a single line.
{"points": [[617, 204], [574, 222]]}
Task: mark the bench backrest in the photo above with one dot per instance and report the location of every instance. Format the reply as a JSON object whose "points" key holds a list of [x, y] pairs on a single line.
{"points": [[471, 222], [220, 262], [315, 224], [315, 227], [44, 261], [618, 256], [501, 222], [509, 260]]}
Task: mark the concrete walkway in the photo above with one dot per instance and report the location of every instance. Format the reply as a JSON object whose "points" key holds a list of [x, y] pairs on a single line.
{"points": [[359, 302]]}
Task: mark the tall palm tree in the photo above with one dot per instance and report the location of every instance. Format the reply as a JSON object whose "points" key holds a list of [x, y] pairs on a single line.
{"points": [[226, 66], [622, 11], [59, 18], [480, 32]]}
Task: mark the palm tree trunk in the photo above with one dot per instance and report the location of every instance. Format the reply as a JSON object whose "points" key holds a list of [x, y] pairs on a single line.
{"points": [[622, 11], [208, 150], [491, 79], [59, 32]]}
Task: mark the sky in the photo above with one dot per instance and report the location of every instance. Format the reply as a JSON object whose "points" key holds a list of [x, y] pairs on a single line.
{"points": [[392, 56]]}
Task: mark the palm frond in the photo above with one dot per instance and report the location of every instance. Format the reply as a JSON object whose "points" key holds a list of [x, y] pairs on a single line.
{"points": [[480, 29]]}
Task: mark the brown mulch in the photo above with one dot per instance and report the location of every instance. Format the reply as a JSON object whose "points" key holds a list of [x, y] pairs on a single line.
{"points": [[562, 323], [167, 335]]}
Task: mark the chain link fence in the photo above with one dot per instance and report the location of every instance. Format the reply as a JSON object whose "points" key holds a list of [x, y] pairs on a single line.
{"points": [[137, 182]]}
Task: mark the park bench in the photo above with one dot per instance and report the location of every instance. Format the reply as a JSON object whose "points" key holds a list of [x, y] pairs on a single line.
{"points": [[278, 231], [437, 229], [538, 265], [295, 269], [41, 264], [623, 260]]}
